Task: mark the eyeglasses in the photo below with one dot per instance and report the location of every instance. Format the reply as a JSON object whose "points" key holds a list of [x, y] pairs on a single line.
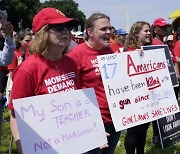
{"points": [[60, 27]]}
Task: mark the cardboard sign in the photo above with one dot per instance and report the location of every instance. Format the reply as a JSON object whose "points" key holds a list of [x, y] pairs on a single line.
{"points": [[65, 122], [138, 88], [169, 61], [169, 129]]}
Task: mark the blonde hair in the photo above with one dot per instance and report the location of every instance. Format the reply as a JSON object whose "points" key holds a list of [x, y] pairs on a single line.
{"points": [[40, 41], [132, 40]]}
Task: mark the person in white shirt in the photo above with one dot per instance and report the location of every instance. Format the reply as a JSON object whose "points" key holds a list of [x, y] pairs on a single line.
{"points": [[6, 55]]}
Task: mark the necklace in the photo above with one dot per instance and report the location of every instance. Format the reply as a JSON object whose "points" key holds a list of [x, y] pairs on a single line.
{"points": [[58, 69]]}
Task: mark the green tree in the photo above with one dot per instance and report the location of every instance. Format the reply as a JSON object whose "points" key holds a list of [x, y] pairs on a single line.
{"points": [[21, 11], [24, 10]]}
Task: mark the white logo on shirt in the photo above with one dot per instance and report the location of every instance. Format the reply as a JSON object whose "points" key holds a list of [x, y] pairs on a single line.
{"points": [[60, 83], [95, 65]]}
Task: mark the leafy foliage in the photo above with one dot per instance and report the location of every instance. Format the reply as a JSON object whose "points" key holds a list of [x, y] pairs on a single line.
{"points": [[23, 11]]}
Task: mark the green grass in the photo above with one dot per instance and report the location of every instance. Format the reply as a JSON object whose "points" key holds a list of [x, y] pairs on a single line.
{"points": [[149, 148]]}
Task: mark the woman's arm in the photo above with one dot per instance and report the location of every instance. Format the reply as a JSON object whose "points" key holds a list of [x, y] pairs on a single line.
{"points": [[176, 67], [15, 132], [178, 59], [22, 87]]}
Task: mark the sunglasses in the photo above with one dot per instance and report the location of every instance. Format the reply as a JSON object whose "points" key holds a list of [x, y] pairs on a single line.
{"points": [[27, 40], [60, 27]]}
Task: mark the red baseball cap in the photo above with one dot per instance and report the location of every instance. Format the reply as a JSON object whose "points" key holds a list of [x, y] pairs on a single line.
{"points": [[50, 16], [160, 22]]}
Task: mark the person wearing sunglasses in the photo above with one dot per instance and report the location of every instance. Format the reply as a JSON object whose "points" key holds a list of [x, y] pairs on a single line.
{"points": [[47, 62]]}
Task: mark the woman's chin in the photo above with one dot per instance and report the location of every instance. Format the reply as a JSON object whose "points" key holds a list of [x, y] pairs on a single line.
{"points": [[64, 44]]}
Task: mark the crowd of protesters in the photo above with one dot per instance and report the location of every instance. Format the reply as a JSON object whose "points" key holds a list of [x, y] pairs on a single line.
{"points": [[52, 48]]}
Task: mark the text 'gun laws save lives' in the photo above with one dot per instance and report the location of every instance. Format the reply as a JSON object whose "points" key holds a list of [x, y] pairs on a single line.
{"points": [[138, 88]]}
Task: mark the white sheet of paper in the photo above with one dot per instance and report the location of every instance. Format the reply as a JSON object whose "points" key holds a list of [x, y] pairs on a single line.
{"points": [[138, 88], [66, 122]]}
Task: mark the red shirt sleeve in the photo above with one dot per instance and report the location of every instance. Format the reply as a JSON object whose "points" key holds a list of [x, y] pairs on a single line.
{"points": [[177, 49], [76, 58]]}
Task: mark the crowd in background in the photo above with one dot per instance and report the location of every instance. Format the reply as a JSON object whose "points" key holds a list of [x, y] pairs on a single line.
{"points": [[58, 48]]}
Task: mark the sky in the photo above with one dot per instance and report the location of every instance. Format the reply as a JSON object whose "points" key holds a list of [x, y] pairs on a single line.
{"points": [[123, 13]]}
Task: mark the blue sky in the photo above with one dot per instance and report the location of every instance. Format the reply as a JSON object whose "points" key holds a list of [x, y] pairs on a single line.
{"points": [[136, 10]]}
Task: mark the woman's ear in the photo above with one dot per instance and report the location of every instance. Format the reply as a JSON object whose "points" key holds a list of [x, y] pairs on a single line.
{"points": [[90, 32], [155, 30]]}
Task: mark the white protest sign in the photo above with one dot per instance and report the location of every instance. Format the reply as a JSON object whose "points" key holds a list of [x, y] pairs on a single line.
{"points": [[138, 88], [66, 122]]}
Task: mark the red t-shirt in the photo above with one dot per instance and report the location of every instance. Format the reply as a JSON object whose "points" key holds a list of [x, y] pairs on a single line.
{"points": [[155, 41], [177, 49], [38, 76], [14, 63], [111, 40], [89, 74], [116, 48]]}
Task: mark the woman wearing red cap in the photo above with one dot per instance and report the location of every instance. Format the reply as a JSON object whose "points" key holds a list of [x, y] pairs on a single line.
{"points": [[47, 63], [177, 55], [159, 32], [97, 42], [138, 36]]}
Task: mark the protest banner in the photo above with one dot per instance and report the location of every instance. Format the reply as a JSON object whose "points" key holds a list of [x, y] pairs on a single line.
{"points": [[66, 122], [1, 119], [169, 129], [169, 61], [138, 88]]}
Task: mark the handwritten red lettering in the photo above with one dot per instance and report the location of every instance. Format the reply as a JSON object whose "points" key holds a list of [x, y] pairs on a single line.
{"points": [[166, 110], [152, 83], [127, 120], [130, 63], [133, 69], [141, 98], [157, 113], [124, 102], [141, 117], [135, 118]]}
